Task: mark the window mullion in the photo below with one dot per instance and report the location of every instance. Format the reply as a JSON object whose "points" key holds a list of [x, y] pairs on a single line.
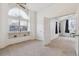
{"points": [[19, 25]]}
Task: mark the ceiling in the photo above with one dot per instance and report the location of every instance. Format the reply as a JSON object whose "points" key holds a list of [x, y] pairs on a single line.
{"points": [[38, 6]]}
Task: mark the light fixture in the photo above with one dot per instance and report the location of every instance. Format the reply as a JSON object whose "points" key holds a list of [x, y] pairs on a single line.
{"points": [[22, 5]]}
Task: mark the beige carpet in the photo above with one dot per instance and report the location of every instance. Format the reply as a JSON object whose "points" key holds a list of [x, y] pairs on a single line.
{"points": [[66, 46], [35, 48]]}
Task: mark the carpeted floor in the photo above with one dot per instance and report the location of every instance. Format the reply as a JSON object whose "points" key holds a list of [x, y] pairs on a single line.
{"points": [[36, 48]]}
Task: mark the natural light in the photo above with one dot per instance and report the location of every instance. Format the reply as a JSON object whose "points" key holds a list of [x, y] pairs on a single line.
{"points": [[16, 12]]}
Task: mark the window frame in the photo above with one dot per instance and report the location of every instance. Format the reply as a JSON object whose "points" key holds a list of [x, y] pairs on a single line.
{"points": [[19, 18]]}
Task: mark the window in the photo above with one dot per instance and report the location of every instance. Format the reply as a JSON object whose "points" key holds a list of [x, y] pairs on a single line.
{"points": [[23, 25], [18, 20], [16, 12], [14, 25], [72, 25]]}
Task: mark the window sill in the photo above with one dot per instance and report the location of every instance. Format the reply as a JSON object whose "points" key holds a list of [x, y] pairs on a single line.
{"points": [[18, 34]]}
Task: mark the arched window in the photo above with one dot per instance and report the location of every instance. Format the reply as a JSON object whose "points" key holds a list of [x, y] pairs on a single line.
{"points": [[18, 20], [16, 12]]}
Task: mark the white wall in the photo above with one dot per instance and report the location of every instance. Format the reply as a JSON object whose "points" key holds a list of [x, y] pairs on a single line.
{"points": [[47, 34], [55, 11], [62, 20], [63, 27], [4, 41], [33, 19], [52, 28], [77, 27], [52, 11], [3, 23]]}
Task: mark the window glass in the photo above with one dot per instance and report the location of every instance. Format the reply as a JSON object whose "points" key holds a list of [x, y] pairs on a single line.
{"points": [[72, 25], [14, 25], [18, 21], [16, 12], [23, 25]]}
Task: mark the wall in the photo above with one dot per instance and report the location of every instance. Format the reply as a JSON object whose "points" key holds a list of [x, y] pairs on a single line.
{"points": [[52, 28], [3, 24], [50, 12], [56, 10], [77, 27], [63, 27], [4, 41], [33, 19], [46, 31], [49, 29], [63, 19]]}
